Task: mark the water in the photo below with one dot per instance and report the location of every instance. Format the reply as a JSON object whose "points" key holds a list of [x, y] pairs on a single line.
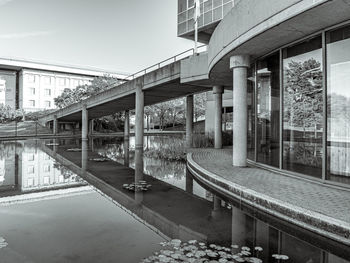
{"points": [[61, 206]]}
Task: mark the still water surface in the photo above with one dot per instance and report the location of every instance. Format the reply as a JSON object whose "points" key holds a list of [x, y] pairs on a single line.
{"points": [[61, 206]]}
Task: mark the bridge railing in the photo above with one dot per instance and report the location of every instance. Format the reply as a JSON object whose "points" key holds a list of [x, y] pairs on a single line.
{"points": [[165, 62], [180, 56]]}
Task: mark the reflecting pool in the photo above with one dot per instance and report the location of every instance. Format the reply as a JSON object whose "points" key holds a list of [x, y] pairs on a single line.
{"points": [[64, 201]]}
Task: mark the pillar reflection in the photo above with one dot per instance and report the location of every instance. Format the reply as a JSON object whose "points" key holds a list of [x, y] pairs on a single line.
{"points": [[126, 151], [217, 210], [84, 155], [138, 173], [189, 182]]}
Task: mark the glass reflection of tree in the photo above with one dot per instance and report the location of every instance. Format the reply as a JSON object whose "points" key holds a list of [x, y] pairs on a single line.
{"points": [[303, 106]]}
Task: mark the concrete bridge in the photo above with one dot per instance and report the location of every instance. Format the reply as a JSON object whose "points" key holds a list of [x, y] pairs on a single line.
{"points": [[164, 81]]}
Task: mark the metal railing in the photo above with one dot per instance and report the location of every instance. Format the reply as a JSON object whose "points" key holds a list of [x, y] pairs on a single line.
{"points": [[180, 56], [165, 62]]}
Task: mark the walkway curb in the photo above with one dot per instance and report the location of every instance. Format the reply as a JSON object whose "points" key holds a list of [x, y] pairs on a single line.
{"points": [[321, 224]]}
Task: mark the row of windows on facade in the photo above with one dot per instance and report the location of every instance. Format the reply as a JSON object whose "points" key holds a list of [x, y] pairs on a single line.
{"points": [[210, 11], [46, 181], [290, 135], [31, 169], [51, 80], [184, 5], [47, 92], [31, 103]]}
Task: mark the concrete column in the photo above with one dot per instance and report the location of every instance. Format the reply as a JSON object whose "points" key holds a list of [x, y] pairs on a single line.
{"points": [[91, 127], [55, 125], [217, 91], [127, 124], [217, 211], [189, 121], [84, 123], [139, 118], [239, 64]]}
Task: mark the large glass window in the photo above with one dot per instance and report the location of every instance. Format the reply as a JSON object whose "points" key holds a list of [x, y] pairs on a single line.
{"points": [[268, 110], [251, 112], [303, 107], [338, 108]]}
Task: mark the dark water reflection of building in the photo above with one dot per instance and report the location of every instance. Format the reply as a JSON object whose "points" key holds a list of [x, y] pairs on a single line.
{"points": [[25, 168]]}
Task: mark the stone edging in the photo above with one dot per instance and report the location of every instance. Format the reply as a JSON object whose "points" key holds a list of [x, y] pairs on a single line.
{"points": [[321, 224]]}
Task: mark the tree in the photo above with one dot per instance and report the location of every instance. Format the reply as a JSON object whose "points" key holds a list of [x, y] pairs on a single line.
{"points": [[80, 93], [97, 85], [200, 101]]}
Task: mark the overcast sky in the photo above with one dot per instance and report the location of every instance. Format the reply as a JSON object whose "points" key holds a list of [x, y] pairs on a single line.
{"points": [[118, 35]]}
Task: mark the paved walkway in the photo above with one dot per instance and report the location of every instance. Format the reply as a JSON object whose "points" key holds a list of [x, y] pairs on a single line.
{"points": [[330, 203]]}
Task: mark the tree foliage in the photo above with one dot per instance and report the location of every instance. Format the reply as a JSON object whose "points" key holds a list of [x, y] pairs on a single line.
{"points": [[200, 101], [97, 85], [8, 114], [303, 101]]}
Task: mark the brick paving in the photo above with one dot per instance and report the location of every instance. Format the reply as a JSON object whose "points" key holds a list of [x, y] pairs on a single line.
{"points": [[324, 199]]}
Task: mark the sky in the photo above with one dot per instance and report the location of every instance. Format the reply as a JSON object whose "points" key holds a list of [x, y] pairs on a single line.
{"points": [[116, 35]]}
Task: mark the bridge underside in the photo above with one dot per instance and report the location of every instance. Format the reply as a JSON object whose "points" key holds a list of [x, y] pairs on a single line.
{"points": [[153, 95]]}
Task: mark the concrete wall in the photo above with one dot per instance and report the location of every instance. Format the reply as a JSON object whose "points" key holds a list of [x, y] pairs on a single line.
{"points": [[194, 68], [253, 19]]}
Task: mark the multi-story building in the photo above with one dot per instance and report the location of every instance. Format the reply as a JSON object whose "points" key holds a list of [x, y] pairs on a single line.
{"points": [[284, 67], [32, 86]]}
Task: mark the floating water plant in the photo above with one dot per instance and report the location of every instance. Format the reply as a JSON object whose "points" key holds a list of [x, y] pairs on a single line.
{"points": [[74, 150], [52, 144], [198, 252], [3, 243], [99, 159], [137, 187]]}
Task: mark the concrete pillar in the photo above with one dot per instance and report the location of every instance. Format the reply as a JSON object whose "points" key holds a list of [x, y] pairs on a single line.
{"points": [[217, 91], [91, 127], [139, 118], [84, 123], [127, 124], [55, 125], [139, 134], [239, 64], [189, 121]]}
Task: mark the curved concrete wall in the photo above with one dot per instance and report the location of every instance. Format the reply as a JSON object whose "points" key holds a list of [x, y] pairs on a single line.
{"points": [[253, 19]]}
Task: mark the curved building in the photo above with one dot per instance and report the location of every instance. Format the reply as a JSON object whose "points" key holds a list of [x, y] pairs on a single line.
{"points": [[287, 66]]}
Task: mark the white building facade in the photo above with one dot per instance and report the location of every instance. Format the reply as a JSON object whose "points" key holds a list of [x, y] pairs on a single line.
{"points": [[33, 86]]}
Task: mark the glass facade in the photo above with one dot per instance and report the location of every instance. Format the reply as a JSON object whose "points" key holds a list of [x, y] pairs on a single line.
{"points": [[268, 110], [299, 107], [303, 107], [211, 11], [251, 112], [338, 108]]}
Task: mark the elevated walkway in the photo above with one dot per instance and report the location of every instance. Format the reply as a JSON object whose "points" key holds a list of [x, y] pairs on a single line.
{"points": [[160, 82], [314, 206]]}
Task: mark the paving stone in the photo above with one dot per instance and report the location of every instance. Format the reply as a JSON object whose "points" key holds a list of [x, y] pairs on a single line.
{"points": [[324, 199]]}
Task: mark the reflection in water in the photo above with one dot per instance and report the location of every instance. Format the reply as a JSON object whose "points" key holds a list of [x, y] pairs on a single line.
{"points": [[138, 174], [24, 167], [172, 206]]}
